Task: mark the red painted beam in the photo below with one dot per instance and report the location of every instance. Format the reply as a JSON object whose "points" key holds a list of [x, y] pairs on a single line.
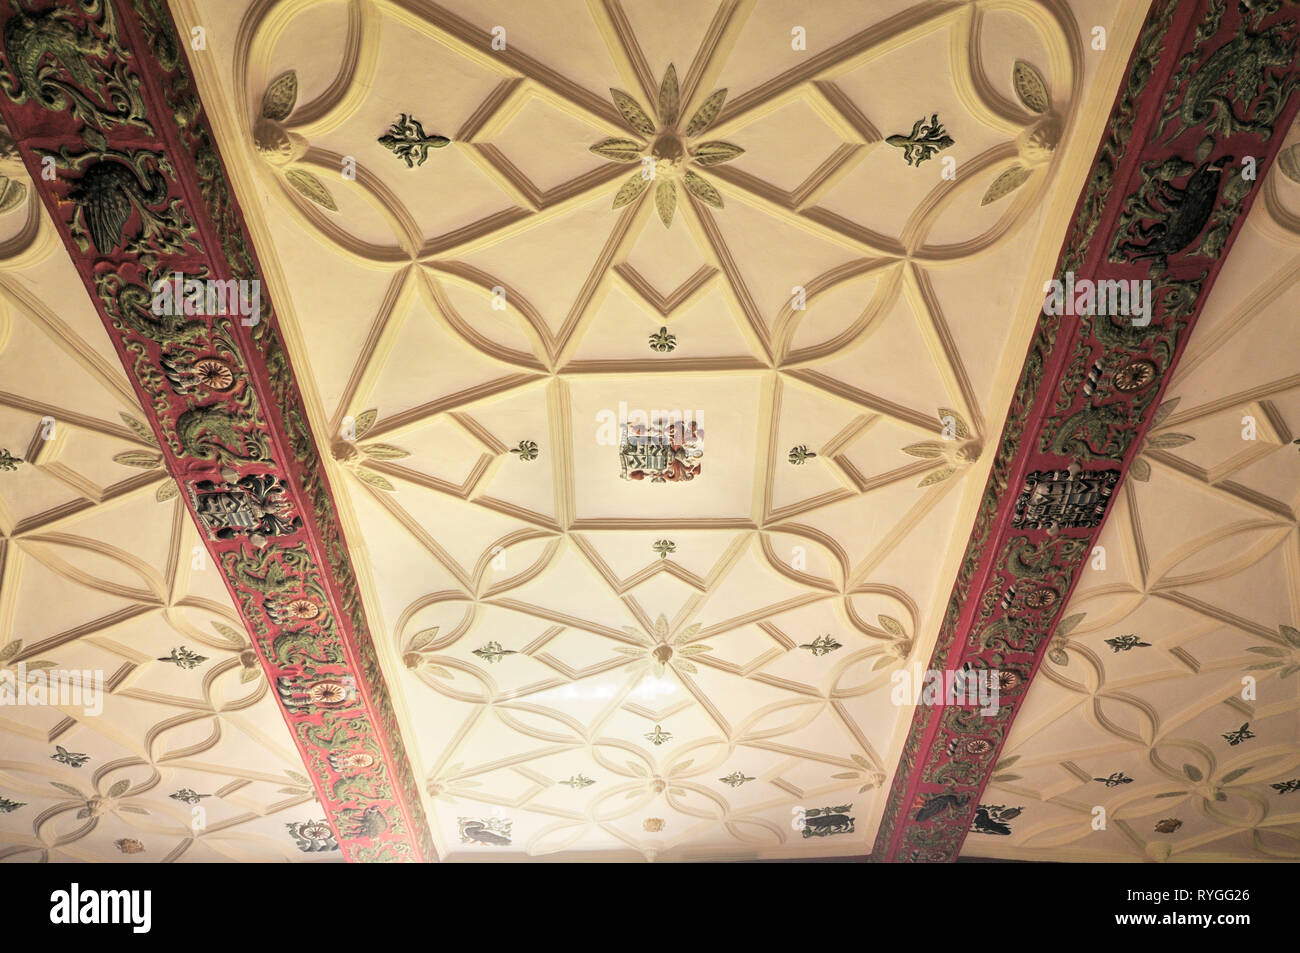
{"points": [[99, 96], [1210, 84]]}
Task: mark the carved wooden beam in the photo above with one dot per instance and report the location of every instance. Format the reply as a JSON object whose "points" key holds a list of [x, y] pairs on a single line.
{"points": [[99, 96], [1208, 99]]}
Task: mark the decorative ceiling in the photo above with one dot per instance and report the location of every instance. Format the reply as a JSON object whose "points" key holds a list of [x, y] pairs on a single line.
{"points": [[656, 356]]}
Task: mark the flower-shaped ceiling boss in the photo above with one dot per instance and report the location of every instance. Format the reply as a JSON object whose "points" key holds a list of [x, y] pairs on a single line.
{"points": [[667, 153]]}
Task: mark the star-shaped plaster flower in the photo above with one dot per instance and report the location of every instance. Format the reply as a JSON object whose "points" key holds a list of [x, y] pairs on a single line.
{"points": [[668, 154]]}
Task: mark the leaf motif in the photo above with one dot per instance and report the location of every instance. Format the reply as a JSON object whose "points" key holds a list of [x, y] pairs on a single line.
{"points": [[1007, 762], [310, 187], [139, 458], [384, 451], [375, 480], [661, 627], [637, 769], [631, 189], [167, 491], [958, 423], [1006, 183], [846, 776], [422, 638], [862, 762], [364, 421], [300, 778], [249, 675], [66, 788], [1165, 441], [1058, 656], [1068, 624], [891, 625], [12, 193], [1163, 411], [119, 788], [937, 476], [10, 650], [279, 99], [715, 153], [1233, 775], [83, 813], [40, 664], [688, 633], [1288, 671], [1140, 470], [695, 650], [707, 112], [702, 189], [633, 112], [669, 97], [639, 636], [1268, 650], [679, 768], [232, 637], [1264, 667], [683, 666], [620, 150], [1288, 160], [628, 650], [439, 672], [882, 662], [131, 809], [926, 449], [1172, 794], [1006, 777], [1292, 635], [140, 429], [1030, 87], [1192, 772], [666, 202]]}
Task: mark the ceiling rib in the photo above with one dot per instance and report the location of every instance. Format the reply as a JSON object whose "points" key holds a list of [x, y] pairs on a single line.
{"points": [[1090, 386], [102, 94]]}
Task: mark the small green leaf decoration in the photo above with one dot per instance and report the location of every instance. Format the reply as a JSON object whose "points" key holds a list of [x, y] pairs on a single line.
{"points": [[140, 429], [1268, 650], [1068, 624], [374, 479], [233, 638], [702, 189], [1172, 794], [1291, 635], [958, 422], [384, 451], [139, 458], [131, 809], [1006, 183], [633, 112], [66, 788], [669, 97], [119, 788], [620, 150], [1006, 777], [10, 650], [1166, 441], [937, 476], [1163, 411], [1140, 470], [1030, 87], [309, 186], [423, 638], [925, 449], [882, 662], [279, 99], [715, 153], [707, 112], [167, 491], [1058, 656], [891, 625], [1233, 775], [631, 189], [364, 421], [1007, 762], [1192, 772], [12, 193], [666, 202]]}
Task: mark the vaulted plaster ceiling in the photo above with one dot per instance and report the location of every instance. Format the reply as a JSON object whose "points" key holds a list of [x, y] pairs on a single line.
{"points": [[603, 668]]}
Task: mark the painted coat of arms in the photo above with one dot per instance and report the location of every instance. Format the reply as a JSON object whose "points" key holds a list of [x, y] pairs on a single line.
{"points": [[254, 506], [1064, 499], [661, 452]]}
